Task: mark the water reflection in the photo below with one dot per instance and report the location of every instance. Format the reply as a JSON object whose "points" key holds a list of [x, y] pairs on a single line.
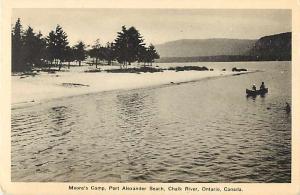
{"points": [[130, 106], [136, 113], [253, 97], [135, 109]]}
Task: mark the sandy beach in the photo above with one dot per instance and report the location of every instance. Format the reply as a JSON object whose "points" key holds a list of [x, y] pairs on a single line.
{"points": [[28, 90]]}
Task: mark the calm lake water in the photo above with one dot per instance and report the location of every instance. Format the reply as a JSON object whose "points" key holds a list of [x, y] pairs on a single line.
{"points": [[205, 131]]}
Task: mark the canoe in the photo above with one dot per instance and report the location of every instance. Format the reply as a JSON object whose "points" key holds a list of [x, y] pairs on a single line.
{"points": [[257, 92]]}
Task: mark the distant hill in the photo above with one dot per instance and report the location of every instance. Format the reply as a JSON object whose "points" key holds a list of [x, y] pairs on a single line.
{"points": [[268, 48], [274, 47], [204, 47], [220, 58]]}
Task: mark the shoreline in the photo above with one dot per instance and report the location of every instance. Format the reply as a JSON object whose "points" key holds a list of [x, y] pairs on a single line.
{"points": [[47, 87]]}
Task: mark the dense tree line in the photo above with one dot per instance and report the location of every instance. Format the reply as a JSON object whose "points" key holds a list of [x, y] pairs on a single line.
{"points": [[31, 50]]}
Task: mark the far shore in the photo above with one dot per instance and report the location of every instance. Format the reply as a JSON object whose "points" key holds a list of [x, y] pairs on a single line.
{"points": [[33, 89]]}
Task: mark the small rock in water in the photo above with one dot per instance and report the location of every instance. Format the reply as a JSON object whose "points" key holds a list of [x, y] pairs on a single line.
{"points": [[268, 108]]}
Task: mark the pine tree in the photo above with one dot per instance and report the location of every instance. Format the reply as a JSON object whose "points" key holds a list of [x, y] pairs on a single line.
{"points": [[91, 53], [29, 49], [120, 46], [61, 44], [151, 54], [51, 47], [17, 47], [34, 46], [127, 45], [69, 56], [142, 54], [40, 50], [135, 44], [57, 41], [79, 52], [94, 52], [109, 53]]}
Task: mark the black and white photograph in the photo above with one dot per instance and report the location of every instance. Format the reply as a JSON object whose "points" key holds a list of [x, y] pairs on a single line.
{"points": [[134, 95]]}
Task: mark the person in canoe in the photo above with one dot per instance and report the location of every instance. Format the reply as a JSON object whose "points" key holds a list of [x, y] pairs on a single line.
{"points": [[261, 91], [262, 86]]}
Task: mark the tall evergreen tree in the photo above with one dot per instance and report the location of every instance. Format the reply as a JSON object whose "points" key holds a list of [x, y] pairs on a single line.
{"points": [[95, 52], [92, 54], [17, 46], [30, 48], [142, 55], [40, 50], [148, 55], [69, 56], [51, 47], [79, 52], [151, 54], [127, 45], [135, 44], [57, 41], [61, 44], [120, 46], [109, 53]]}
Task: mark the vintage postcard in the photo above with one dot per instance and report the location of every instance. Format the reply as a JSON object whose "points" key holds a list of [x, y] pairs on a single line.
{"points": [[150, 97]]}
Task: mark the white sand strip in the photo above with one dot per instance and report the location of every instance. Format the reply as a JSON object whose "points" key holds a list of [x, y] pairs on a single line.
{"points": [[31, 90]]}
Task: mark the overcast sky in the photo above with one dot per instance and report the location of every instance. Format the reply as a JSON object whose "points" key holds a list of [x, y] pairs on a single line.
{"points": [[157, 25]]}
